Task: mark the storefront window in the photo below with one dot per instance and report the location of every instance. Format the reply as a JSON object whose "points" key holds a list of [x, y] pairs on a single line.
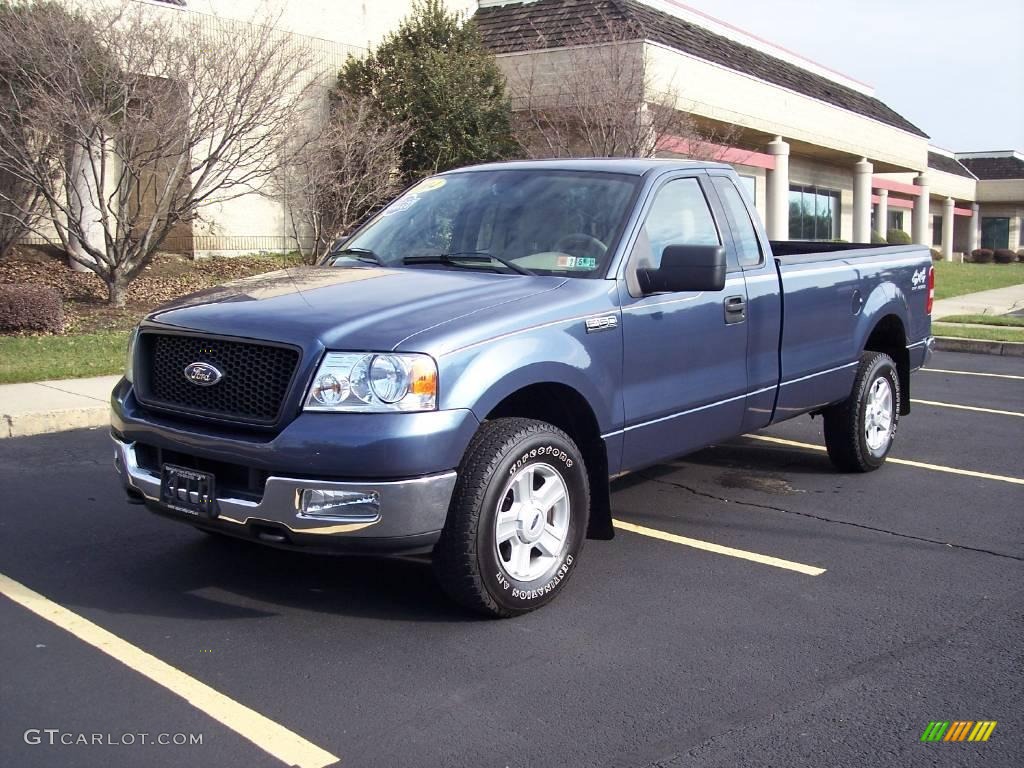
{"points": [[813, 213], [936, 230]]}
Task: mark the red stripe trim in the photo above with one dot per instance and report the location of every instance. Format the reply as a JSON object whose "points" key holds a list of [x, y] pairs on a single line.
{"points": [[720, 152], [895, 186]]}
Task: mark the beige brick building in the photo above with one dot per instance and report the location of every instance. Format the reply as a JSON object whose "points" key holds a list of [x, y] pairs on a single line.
{"points": [[822, 156]]}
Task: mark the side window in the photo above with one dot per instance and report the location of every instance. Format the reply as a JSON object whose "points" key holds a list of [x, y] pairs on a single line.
{"points": [[679, 216], [748, 250]]}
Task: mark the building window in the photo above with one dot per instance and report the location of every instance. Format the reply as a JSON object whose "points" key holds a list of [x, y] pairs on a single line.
{"points": [[749, 185], [813, 213], [995, 232], [895, 220], [936, 230]]}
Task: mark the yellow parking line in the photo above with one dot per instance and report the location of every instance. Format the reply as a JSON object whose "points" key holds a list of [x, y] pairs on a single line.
{"points": [[276, 740], [973, 373], [707, 546], [966, 407], [905, 462]]}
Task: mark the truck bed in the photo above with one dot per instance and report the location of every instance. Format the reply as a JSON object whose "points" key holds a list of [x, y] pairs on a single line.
{"points": [[845, 290]]}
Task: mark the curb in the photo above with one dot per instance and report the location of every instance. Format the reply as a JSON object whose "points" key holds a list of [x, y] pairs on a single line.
{"points": [[980, 346], [26, 424]]}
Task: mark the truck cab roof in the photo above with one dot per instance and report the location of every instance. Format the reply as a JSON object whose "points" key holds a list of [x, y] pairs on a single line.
{"points": [[636, 166]]}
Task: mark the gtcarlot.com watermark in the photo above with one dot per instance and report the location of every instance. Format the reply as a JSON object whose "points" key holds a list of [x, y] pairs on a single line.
{"points": [[57, 737]]}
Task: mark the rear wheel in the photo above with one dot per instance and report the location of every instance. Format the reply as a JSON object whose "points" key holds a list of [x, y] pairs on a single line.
{"points": [[859, 432], [517, 519]]}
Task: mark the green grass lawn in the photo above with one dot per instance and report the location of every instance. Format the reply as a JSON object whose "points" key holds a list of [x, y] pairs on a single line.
{"points": [[1010, 321], [952, 279], [976, 332], [37, 358]]}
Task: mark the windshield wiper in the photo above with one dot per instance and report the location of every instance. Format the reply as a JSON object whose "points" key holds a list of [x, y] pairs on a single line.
{"points": [[456, 256], [359, 254]]}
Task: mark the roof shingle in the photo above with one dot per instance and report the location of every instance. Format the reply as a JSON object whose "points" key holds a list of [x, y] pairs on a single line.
{"points": [[988, 168], [948, 165], [522, 26]]}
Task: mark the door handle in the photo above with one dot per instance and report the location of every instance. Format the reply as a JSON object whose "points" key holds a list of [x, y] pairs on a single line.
{"points": [[735, 309]]}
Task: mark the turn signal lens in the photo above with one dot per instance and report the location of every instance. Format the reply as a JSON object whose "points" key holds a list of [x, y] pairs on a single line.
{"points": [[931, 290], [423, 379]]}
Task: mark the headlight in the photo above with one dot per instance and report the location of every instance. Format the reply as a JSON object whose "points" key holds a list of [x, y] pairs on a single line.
{"points": [[373, 383], [129, 360]]}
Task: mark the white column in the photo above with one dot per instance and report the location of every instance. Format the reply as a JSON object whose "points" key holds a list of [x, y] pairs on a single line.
{"points": [[921, 212], [777, 221], [947, 229], [882, 213], [862, 201], [972, 236], [84, 201]]}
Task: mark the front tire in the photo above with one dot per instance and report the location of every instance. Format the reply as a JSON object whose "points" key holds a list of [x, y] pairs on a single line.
{"points": [[859, 432], [517, 520]]}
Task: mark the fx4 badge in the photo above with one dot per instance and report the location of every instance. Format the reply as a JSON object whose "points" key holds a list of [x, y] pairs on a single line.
{"points": [[919, 279], [602, 323]]}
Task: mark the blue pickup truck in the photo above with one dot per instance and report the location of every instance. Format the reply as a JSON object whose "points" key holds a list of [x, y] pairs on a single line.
{"points": [[463, 374]]}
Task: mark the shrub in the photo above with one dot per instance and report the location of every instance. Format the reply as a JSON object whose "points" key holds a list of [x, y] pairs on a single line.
{"points": [[982, 256], [897, 237], [1004, 256], [877, 239], [936, 254], [1020, 255], [30, 308]]}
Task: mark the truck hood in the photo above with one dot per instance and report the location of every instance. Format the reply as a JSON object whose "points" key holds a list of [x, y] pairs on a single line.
{"points": [[358, 308]]}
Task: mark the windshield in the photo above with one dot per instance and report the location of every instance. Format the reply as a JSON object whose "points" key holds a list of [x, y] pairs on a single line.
{"points": [[542, 222]]}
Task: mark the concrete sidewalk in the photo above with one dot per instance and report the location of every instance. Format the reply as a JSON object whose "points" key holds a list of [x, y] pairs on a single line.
{"points": [[999, 301], [54, 406]]}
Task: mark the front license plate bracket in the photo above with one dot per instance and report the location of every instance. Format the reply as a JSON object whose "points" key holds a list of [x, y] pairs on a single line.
{"points": [[188, 491]]}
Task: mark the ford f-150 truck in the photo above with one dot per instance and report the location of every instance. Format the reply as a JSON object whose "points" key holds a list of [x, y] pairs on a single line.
{"points": [[464, 373]]}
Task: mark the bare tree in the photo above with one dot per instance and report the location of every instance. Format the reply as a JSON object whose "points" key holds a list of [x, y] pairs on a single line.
{"points": [[20, 209], [592, 94], [152, 114], [348, 168]]}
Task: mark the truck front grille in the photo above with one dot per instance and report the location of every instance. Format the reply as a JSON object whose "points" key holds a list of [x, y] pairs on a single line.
{"points": [[255, 377]]}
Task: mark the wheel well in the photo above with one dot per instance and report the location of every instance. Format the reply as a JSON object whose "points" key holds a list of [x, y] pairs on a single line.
{"points": [[568, 410], [889, 337]]}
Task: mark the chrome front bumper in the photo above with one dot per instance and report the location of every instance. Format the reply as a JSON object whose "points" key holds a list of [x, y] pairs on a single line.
{"points": [[404, 508]]}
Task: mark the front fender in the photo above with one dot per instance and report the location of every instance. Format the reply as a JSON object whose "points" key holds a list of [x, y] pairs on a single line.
{"points": [[484, 374]]}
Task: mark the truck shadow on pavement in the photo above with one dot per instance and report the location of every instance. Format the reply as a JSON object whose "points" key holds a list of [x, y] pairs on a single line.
{"points": [[218, 577]]}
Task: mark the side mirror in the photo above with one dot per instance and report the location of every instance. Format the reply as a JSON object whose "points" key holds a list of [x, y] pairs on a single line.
{"points": [[685, 268]]}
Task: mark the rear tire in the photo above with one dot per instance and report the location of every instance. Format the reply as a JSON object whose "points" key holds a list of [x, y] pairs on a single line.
{"points": [[517, 520], [859, 432]]}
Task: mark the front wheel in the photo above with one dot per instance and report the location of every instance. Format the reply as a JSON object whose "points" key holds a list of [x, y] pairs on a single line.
{"points": [[517, 520], [859, 431]]}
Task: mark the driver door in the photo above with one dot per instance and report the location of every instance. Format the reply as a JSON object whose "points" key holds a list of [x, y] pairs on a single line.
{"points": [[685, 372]]}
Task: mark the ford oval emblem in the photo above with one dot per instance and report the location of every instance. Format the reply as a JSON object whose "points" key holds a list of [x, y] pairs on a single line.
{"points": [[202, 374]]}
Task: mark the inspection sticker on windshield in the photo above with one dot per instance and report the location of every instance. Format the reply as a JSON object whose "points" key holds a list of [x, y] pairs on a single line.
{"points": [[576, 262], [428, 185]]}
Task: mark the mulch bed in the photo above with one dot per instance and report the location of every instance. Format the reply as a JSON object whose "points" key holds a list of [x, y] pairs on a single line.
{"points": [[167, 277]]}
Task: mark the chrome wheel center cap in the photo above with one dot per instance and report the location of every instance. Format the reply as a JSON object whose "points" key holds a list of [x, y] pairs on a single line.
{"points": [[530, 524]]}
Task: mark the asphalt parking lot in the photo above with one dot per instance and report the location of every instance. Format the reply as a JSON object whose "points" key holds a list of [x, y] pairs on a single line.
{"points": [[907, 608]]}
